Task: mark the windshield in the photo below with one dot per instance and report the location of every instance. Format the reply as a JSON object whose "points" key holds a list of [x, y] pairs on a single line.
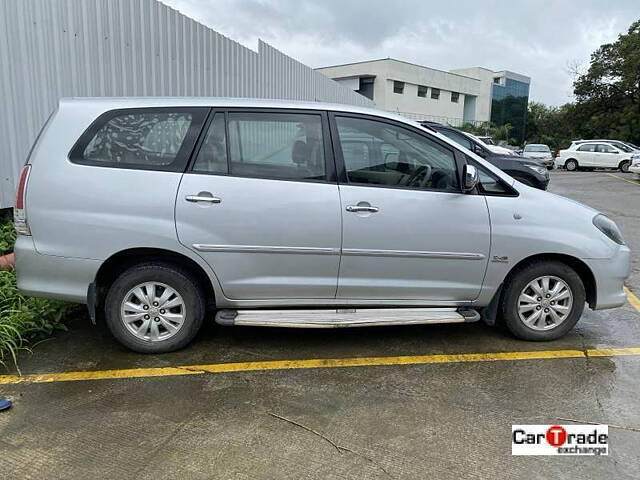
{"points": [[623, 147], [536, 148]]}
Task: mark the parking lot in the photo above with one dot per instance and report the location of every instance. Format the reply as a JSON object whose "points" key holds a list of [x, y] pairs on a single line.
{"points": [[407, 402]]}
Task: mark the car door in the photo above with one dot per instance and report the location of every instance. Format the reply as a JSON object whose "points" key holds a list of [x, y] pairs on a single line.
{"points": [[260, 204], [608, 156], [586, 155], [408, 231]]}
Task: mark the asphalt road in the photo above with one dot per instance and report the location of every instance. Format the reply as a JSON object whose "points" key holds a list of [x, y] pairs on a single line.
{"points": [[446, 419]]}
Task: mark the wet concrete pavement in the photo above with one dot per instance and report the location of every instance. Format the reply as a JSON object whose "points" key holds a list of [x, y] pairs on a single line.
{"points": [[446, 421]]}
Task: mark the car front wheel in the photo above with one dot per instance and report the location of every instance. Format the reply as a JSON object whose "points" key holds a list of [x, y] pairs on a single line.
{"points": [[624, 166], [154, 308], [543, 301]]}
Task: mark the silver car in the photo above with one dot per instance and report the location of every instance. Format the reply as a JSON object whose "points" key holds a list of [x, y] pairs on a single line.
{"points": [[539, 152], [159, 212]]}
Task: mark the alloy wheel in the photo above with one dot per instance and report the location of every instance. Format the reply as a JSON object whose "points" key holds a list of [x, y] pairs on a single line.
{"points": [[153, 311], [545, 303]]}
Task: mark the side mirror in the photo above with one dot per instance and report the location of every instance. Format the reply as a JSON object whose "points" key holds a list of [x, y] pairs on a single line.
{"points": [[470, 178], [478, 150]]}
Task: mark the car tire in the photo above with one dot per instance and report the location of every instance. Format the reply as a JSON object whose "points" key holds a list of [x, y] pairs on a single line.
{"points": [[624, 166], [571, 165], [140, 291], [531, 316]]}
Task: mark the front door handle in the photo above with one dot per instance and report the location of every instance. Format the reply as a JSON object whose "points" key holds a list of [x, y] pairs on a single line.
{"points": [[362, 208], [203, 197]]}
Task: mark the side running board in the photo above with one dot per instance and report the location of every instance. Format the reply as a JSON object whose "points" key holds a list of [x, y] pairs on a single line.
{"points": [[345, 317]]}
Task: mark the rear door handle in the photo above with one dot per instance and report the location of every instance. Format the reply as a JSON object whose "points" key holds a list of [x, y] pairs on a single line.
{"points": [[362, 208], [202, 197]]}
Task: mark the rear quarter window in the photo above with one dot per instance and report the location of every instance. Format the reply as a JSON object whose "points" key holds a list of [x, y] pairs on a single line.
{"points": [[147, 139]]}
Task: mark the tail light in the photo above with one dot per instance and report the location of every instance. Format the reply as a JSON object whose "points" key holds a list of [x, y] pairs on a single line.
{"points": [[20, 212]]}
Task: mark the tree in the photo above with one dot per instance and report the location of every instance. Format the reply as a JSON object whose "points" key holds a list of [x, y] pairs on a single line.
{"points": [[552, 126], [608, 94]]}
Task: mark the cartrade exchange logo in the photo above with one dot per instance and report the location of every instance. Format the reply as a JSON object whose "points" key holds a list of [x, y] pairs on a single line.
{"points": [[560, 440]]}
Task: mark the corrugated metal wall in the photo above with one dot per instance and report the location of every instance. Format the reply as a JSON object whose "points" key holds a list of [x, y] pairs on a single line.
{"points": [[60, 48]]}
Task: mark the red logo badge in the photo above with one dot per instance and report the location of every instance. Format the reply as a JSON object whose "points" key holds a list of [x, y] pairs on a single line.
{"points": [[556, 436]]}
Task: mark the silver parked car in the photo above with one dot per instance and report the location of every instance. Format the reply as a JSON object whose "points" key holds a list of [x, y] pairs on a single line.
{"points": [[539, 152], [156, 212]]}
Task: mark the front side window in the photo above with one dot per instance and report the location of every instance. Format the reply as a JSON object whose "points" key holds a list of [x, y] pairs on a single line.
{"points": [[603, 148], [285, 146], [146, 138], [435, 93], [393, 156]]}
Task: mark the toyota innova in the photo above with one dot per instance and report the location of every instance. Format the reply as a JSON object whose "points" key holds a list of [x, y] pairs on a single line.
{"points": [[160, 212]]}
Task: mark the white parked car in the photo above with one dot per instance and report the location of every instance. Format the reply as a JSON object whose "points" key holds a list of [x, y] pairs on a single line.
{"points": [[594, 155], [493, 147], [539, 152], [624, 146], [635, 166]]}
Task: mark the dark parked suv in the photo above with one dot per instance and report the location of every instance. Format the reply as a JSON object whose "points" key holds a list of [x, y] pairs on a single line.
{"points": [[522, 169]]}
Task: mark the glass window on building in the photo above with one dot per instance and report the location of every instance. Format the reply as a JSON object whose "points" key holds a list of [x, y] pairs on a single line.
{"points": [[509, 106], [398, 87], [422, 91], [455, 96], [435, 93]]}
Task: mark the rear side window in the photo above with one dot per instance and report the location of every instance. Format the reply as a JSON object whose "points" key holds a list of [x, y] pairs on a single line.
{"points": [[589, 147], [285, 146], [150, 139]]}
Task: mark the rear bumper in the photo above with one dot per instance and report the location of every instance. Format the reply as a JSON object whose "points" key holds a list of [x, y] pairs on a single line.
{"points": [[610, 275], [62, 278]]}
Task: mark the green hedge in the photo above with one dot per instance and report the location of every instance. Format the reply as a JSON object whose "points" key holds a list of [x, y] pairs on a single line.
{"points": [[23, 319]]}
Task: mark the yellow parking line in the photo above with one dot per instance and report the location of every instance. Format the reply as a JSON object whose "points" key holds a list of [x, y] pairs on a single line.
{"points": [[313, 363], [633, 300], [623, 179]]}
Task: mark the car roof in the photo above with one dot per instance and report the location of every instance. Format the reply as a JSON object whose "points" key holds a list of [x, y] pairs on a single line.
{"points": [[230, 102], [598, 140]]}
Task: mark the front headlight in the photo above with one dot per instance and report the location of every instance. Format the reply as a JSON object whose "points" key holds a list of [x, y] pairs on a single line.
{"points": [[540, 170], [609, 228]]}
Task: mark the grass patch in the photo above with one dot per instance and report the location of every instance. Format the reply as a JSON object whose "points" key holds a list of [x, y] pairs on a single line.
{"points": [[23, 319]]}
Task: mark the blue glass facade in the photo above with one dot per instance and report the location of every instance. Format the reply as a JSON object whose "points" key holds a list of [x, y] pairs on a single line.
{"points": [[509, 105]]}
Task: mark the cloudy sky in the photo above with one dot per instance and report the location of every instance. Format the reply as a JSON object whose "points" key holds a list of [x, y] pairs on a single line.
{"points": [[545, 39]]}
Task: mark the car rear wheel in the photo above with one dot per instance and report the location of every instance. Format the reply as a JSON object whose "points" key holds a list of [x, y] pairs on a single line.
{"points": [[571, 165], [624, 166], [543, 301], [154, 308]]}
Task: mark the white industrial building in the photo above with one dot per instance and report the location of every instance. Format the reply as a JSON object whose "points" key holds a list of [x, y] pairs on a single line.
{"points": [[63, 48], [459, 96]]}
